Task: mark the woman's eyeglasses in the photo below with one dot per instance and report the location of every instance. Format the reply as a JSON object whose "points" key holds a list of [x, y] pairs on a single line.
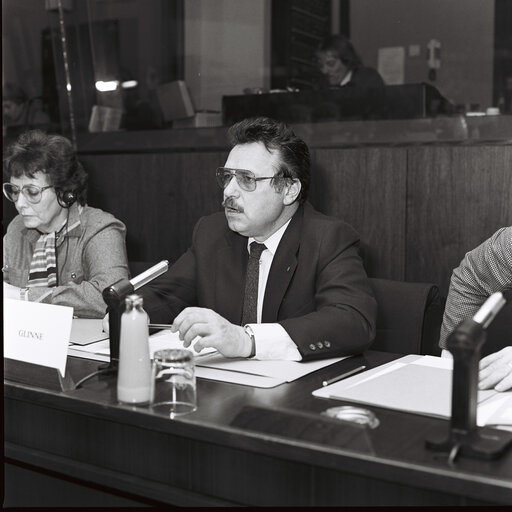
{"points": [[33, 193], [245, 179]]}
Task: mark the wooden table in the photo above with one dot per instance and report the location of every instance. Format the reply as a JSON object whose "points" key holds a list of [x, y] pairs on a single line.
{"points": [[81, 447]]}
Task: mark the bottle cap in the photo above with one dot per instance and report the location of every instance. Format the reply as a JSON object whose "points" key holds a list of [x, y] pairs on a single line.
{"points": [[133, 300]]}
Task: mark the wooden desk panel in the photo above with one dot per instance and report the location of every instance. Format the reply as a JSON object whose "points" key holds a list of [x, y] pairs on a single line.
{"points": [[203, 458]]}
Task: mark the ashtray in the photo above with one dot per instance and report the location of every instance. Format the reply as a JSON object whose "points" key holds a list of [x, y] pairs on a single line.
{"points": [[353, 414]]}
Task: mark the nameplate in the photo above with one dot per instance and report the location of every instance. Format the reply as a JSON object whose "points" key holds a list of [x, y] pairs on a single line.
{"points": [[37, 333]]}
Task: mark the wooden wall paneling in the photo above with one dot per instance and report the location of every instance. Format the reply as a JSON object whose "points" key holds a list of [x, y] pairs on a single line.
{"points": [[457, 198], [158, 196], [366, 187]]}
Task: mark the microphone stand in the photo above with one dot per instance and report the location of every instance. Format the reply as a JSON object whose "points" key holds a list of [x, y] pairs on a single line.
{"points": [[464, 436], [114, 296]]}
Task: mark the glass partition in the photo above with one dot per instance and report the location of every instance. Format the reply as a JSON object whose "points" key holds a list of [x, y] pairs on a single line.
{"points": [[82, 66]]}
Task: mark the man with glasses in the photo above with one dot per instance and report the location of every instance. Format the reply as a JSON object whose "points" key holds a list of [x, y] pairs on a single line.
{"points": [[269, 277]]}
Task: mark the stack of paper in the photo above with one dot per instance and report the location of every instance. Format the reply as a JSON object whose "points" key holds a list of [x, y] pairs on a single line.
{"points": [[209, 363], [418, 384]]}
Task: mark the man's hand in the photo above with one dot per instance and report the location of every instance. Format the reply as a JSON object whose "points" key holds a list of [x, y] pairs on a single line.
{"points": [[496, 370], [213, 331]]}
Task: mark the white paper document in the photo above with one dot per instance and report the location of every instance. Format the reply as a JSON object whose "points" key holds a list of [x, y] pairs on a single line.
{"points": [[285, 371], [87, 330], [211, 365], [37, 333], [418, 384], [167, 339]]}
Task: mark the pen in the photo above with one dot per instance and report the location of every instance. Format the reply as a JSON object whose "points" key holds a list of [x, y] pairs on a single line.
{"points": [[160, 326], [343, 376]]}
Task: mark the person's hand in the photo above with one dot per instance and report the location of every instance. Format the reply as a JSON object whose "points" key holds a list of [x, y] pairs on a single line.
{"points": [[213, 330], [11, 292], [496, 370]]}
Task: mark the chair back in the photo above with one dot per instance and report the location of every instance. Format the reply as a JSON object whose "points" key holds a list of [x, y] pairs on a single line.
{"points": [[409, 317]]}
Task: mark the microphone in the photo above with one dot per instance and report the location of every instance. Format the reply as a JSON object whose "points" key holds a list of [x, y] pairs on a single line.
{"points": [[114, 296], [490, 308], [150, 274], [465, 343]]}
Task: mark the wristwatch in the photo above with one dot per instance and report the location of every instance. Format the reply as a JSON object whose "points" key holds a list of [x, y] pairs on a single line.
{"points": [[248, 331]]}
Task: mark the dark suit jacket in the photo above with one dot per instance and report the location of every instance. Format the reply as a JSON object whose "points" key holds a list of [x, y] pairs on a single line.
{"points": [[317, 288]]}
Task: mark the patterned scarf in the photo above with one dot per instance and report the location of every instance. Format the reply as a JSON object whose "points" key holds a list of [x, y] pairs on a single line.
{"points": [[43, 267]]}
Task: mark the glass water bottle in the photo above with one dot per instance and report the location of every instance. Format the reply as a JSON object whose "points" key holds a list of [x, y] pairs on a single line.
{"points": [[134, 373]]}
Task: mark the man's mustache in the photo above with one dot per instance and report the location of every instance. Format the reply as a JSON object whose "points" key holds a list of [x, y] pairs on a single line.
{"points": [[229, 202]]}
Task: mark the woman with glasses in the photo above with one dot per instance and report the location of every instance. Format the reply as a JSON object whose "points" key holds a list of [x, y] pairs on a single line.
{"points": [[57, 249]]}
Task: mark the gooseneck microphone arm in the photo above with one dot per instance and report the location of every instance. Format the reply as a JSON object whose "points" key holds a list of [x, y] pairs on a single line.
{"points": [[114, 296], [149, 274], [465, 343]]}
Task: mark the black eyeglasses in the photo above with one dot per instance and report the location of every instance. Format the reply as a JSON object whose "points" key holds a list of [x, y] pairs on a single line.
{"points": [[33, 193], [245, 179]]}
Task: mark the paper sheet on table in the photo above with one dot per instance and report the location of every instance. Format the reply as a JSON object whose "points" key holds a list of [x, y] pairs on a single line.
{"points": [[286, 371], [211, 365], [496, 411], [250, 372], [167, 339], [97, 351], [87, 330], [246, 379], [100, 350], [419, 384]]}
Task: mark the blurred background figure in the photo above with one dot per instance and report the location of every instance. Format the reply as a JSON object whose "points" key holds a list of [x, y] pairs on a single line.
{"points": [[340, 65], [361, 90], [20, 110], [57, 250]]}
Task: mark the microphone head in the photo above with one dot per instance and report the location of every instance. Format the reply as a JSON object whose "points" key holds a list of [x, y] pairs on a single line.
{"points": [[490, 308], [114, 294]]}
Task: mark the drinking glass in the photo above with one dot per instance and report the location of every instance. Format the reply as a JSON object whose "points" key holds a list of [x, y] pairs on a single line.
{"points": [[173, 382]]}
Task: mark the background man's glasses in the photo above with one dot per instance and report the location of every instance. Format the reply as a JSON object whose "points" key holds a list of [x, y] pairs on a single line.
{"points": [[245, 179], [32, 193]]}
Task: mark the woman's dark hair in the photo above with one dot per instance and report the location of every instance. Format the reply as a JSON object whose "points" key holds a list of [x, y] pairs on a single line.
{"points": [[54, 155], [343, 47], [277, 136]]}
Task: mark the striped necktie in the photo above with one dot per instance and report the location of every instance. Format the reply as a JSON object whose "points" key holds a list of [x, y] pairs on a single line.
{"points": [[250, 309]]}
